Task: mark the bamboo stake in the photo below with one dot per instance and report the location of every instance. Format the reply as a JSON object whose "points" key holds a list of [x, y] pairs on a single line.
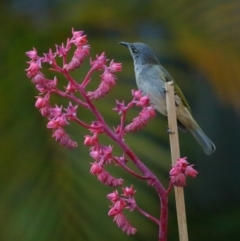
{"points": [[175, 153]]}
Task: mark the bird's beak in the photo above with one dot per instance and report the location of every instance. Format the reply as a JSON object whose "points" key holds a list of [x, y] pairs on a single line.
{"points": [[124, 44]]}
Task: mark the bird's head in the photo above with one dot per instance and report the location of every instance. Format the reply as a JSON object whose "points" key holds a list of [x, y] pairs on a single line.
{"points": [[141, 53]]}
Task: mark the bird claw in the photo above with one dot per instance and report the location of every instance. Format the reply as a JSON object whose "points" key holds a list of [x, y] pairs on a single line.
{"points": [[169, 131]]}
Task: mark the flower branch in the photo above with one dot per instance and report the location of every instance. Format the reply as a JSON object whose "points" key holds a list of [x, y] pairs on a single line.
{"points": [[59, 117]]}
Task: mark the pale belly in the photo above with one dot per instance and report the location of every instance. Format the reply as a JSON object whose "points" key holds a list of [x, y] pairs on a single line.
{"points": [[182, 113]]}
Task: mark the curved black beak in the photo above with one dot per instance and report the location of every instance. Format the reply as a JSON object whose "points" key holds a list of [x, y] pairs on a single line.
{"points": [[124, 44]]}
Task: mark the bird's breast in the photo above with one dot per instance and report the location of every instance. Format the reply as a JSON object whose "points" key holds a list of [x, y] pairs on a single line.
{"points": [[154, 88], [151, 84]]}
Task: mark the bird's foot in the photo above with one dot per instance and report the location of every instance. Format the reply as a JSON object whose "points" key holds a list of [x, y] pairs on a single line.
{"points": [[169, 131]]}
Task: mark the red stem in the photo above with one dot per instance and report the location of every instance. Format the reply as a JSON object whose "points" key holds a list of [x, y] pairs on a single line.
{"points": [[120, 163], [70, 97], [87, 78], [121, 131], [81, 123], [146, 172], [147, 215]]}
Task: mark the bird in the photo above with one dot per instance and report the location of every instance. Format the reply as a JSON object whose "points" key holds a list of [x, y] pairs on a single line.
{"points": [[151, 77]]}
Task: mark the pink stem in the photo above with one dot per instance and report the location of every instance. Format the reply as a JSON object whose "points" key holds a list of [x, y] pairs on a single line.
{"points": [[169, 187], [87, 78], [123, 117], [147, 215], [81, 123], [127, 169], [70, 97], [146, 172]]}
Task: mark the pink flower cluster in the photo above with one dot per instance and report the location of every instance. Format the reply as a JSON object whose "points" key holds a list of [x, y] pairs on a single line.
{"points": [[103, 155], [180, 171], [145, 115], [119, 203], [142, 119], [58, 117], [107, 78]]}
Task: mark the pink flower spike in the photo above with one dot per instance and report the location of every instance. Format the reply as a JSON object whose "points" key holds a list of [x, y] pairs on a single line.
{"points": [[57, 111], [144, 101], [62, 121], [32, 54], [144, 116], [95, 155], [33, 69], [53, 124], [120, 107], [115, 67], [80, 40], [128, 191], [190, 171], [71, 111], [49, 57], [67, 142], [72, 144], [180, 171], [51, 85], [96, 168], [99, 63], [175, 170], [99, 92], [90, 140], [96, 127], [85, 49], [117, 208], [179, 180], [108, 78], [137, 94], [77, 34], [113, 197], [45, 111], [58, 134], [109, 180], [80, 53], [107, 151], [73, 64], [57, 122], [42, 102], [123, 223], [113, 212], [182, 162], [39, 79], [64, 139], [61, 50], [70, 88]]}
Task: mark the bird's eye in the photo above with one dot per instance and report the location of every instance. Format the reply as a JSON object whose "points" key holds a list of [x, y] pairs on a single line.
{"points": [[134, 50]]}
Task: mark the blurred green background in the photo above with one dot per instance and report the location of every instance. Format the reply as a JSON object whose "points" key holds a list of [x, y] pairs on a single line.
{"points": [[47, 192]]}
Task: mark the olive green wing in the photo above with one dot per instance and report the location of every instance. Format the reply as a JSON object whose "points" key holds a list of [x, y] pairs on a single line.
{"points": [[182, 97], [167, 77]]}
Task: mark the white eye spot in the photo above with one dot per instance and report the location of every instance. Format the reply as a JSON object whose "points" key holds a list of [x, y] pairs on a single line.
{"points": [[134, 50]]}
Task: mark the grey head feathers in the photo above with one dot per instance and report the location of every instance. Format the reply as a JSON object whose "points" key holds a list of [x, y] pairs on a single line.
{"points": [[141, 53]]}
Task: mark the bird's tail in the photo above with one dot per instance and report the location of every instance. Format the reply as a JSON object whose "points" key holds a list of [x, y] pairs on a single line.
{"points": [[206, 144]]}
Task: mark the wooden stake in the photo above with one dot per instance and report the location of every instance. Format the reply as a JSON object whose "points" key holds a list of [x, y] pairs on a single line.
{"points": [[175, 153]]}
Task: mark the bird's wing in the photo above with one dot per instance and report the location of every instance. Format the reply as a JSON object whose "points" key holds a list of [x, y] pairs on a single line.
{"points": [[167, 77], [182, 97]]}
